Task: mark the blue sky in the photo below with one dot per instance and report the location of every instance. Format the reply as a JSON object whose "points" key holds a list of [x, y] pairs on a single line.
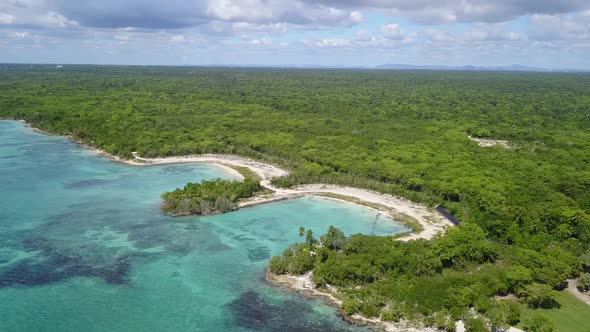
{"points": [[545, 33]]}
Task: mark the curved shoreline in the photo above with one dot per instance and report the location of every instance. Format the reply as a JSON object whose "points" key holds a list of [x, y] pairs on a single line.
{"points": [[430, 221]]}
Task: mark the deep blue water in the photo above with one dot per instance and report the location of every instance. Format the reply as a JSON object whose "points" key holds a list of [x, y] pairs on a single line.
{"points": [[84, 247]]}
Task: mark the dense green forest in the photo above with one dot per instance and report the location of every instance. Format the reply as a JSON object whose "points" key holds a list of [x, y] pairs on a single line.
{"points": [[208, 197], [399, 132]]}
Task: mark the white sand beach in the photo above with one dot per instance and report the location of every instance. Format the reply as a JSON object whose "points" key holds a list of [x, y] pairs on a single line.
{"points": [[431, 221]]}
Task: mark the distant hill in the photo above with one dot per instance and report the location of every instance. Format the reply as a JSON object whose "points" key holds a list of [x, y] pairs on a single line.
{"points": [[514, 67]]}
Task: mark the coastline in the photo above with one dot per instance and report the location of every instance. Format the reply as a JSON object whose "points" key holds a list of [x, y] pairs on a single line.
{"points": [[425, 222], [430, 221], [304, 286], [229, 170]]}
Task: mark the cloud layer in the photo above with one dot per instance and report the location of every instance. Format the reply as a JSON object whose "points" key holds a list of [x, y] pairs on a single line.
{"points": [[353, 32]]}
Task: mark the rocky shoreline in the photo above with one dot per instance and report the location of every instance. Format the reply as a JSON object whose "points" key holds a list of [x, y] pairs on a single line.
{"points": [[303, 285]]}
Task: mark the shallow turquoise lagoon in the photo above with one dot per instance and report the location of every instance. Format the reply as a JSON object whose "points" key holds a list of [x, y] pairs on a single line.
{"points": [[84, 247]]}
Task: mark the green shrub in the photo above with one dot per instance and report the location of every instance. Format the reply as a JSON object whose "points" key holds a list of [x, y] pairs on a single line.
{"points": [[539, 323], [208, 197], [392, 314], [476, 324], [301, 263], [584, 282], [516, 277], [278, 265], [503, 314], [539, 295], [370, 307], [351, 306]]}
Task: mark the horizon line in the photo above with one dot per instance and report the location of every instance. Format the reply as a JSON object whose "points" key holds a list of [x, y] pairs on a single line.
{"points": [[384, 66]]}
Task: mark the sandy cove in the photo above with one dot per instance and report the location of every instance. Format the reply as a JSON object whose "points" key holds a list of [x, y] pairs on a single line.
{"points": [[430, 220]]}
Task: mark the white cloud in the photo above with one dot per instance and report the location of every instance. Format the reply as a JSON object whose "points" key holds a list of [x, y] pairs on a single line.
{"points": [[363, 36], [392, 31], [410, 38], [434, 16], [178, 39], [6, 19], [247, 10], [56, 20], [560, 27], [261, 42], [122, 37], [435, 35], [244, 27], [450, 11], [20, 35], [171, 14], [33, 13], [328, 43], [297, 12], [491, 32], [356, 17]]}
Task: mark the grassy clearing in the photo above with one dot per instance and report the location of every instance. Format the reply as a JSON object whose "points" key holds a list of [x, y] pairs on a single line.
{"points": [[402, 218], [246, 172], [573, 315]]}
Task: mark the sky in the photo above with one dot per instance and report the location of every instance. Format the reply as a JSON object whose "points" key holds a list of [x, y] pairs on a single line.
{"points": [[543, 33]]}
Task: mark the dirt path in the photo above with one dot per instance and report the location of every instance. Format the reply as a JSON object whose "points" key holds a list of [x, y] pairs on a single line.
{"points": [[572, 289]]}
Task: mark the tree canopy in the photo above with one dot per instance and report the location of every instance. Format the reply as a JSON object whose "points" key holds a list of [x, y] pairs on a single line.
{"points": [[208, 197]]}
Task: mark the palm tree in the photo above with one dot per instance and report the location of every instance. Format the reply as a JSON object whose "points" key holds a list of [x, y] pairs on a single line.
{"points": [[301, 231], [332, 236], [309, 239]]}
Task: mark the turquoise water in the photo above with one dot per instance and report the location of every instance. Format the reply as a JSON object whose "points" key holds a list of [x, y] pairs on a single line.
{"points": [[84, 247]]}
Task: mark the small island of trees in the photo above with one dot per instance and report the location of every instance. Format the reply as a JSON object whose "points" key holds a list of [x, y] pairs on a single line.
{"points": [[208, 197]]}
